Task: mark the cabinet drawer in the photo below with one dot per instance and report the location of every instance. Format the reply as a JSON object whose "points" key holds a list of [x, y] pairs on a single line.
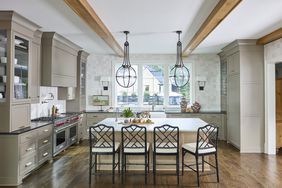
{"points": [[45, 131], [27, 148], [44, 141], [44, 153], [27, 164], [28, 136]]}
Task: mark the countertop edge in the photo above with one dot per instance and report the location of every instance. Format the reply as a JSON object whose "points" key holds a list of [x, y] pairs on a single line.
{"points": [[27, 129]]}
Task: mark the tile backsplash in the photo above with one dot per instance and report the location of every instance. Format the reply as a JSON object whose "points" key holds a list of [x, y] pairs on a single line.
{"points": [[48, 98]]}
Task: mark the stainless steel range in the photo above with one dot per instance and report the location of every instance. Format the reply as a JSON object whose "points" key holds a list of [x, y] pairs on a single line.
{"points": [[65, 132]]}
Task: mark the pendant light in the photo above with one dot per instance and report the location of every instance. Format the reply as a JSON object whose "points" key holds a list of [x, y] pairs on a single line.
{"points": [[179, 75], [126, 75]]}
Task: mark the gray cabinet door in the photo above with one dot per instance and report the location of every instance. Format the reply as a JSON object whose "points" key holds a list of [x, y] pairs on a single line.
{"points": [[35, 73]]}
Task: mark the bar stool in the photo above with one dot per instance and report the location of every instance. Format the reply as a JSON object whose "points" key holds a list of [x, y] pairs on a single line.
{"points": [[207, 138], [134, 142], [102, 142], [166, 143]]}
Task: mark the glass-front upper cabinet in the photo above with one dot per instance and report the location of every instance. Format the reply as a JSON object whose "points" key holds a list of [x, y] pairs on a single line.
{"points": [[3, 63], [21, 68]]}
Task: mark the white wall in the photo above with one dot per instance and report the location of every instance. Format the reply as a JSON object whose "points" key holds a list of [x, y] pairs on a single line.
{"points": [[272, 55], [207, 65], [41, 109]]}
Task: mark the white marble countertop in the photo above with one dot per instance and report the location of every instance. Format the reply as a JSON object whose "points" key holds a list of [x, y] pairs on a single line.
{"points": [[184, 124]]}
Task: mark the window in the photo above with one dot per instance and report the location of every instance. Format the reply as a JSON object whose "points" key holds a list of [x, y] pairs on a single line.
{"points": [[127, 96], [175, 94], [153, 81], [152, 87]]}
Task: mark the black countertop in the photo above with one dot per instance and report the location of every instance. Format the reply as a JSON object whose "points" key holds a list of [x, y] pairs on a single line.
{"points": [[33, 126], [37, 124]]}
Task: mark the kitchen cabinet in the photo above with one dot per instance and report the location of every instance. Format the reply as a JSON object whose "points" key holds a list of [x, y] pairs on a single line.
{"points": [[23, 153], [245, 107], [35, 73], [59, 61], [22, 113], [78, 103], [81, 127], [16, 82], [67, 93]]}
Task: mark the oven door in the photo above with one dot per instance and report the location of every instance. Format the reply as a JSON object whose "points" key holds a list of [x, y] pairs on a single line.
{"points": [[60, 140], [72, 133]]}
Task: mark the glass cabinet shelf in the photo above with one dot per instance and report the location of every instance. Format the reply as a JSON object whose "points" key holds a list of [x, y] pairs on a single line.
{"points": [[21, 68], [3, 63]]}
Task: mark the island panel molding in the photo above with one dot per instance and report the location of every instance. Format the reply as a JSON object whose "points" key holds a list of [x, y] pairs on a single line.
{"points": [[84, 10], [277, 34], [221, 11]]}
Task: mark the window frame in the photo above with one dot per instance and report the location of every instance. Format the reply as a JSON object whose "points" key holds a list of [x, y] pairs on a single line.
{"points": [[165, 64]]}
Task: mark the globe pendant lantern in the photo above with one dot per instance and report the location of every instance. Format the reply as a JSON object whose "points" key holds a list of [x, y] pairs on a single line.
{"points": [[179, 75], [126, 75]]}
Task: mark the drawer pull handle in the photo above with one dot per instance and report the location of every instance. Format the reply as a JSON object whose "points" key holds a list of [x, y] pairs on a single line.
{"points": [[45, 141], [28, 149], [28, 164], [45, 154], [46, 130]]}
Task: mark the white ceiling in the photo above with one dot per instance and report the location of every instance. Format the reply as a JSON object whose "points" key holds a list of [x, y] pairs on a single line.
{"points": [[251, 19], [55, 15], [151, 22]]}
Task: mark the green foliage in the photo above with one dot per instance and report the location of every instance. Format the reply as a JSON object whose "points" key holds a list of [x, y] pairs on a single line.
{"points": [[146, 94], [127, 112], [124, 94]]}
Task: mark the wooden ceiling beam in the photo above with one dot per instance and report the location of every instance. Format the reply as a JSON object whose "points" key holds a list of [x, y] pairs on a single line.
{"points": [[85, 11], [221, 10], [277, 34]]}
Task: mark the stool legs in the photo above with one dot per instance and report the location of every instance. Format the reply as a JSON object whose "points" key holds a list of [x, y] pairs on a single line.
{"points": [[177, 168], [216, 164], [113, 168], [90, 168], [197, 167], [183, 155], [203, 163], [154, 167], [146, 163]]}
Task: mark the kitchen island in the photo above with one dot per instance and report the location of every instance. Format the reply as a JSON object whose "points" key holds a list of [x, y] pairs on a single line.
{"points": [[187, 133]]}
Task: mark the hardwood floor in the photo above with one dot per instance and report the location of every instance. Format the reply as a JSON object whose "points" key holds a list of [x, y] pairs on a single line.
{"points": [[70, 169]]}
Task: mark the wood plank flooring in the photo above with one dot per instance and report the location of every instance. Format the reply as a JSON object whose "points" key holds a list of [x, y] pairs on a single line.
{"points": [[70, 169]]}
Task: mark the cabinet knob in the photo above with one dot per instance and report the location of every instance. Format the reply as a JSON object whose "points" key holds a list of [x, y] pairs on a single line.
{"points": [[45, 154], [28, 164]]}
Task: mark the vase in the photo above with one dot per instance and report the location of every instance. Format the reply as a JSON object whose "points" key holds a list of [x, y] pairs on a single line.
{"points": [[183, 104]]}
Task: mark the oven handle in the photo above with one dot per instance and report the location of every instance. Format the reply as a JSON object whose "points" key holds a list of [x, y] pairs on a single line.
{"points": [[57, 130]]}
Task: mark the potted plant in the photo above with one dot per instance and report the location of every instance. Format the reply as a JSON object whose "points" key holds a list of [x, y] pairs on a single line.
{"points": [[127, 113]]}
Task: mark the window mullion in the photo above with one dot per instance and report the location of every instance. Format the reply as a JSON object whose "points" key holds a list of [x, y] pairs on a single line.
{"points": [[140, 85], [166, 85]]}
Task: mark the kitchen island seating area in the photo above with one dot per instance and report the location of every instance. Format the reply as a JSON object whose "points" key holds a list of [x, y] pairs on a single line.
{"points": [[102, 142], [207, 139], [133, 144]]}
